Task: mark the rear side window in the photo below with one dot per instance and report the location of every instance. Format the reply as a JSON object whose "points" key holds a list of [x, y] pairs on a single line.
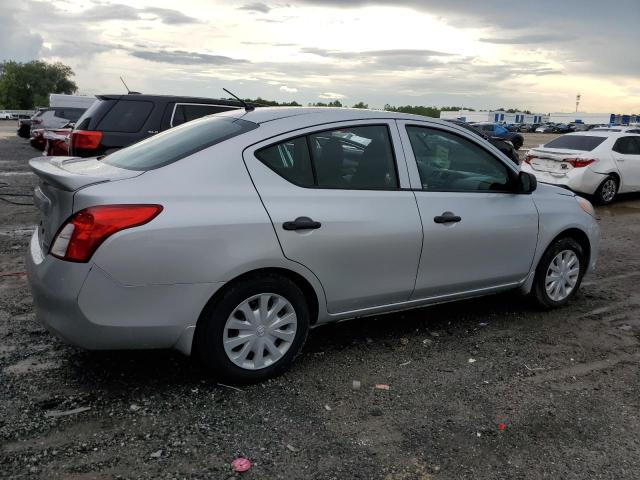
{"points": [[584, 143], [89, 116], [627, 146], [353, 158], [126, 116], [185, 112], [71, 114], [177, 143]]}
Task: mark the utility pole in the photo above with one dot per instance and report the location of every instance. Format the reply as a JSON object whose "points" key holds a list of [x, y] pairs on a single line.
{"points": [[577, 102]]}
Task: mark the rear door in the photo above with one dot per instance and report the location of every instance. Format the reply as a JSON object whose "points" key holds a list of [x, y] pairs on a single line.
{"points": [[626, 152], [478, 234], [340, 203]]}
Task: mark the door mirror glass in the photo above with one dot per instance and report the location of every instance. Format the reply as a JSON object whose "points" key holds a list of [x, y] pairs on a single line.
{"points": [[527, 182]]}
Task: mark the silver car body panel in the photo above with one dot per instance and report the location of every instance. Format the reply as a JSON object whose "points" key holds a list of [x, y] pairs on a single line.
{"points": [[146, 287]]}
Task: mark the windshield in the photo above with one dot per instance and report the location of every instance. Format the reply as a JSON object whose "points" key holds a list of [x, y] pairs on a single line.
{"points": [[576, 142], [179, 142]]}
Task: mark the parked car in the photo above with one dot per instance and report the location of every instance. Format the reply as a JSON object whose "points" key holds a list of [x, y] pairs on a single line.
{"points": [[230, 236], [57, 141], [597, 163], [56, 117], [546, 128], [4, 115], [117, 121], [505, 146], [581, 127], [496, 130], [37, 140], [562, 128], [24, 128], [620, 128]]}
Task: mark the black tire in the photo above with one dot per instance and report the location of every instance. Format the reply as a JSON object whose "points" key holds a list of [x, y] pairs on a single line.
{"points": [[539, 291], [210, 330], [602, 195]]}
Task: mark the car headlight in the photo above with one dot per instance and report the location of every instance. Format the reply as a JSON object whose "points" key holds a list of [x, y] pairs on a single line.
{"points": [[586, 206]]}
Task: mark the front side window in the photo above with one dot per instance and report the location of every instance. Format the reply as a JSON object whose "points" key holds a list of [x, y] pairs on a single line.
{"points": [[500, 130], [449, 163], [352, 158]]}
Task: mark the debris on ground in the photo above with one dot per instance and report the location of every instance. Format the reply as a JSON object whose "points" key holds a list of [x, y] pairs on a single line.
{"points": [[241, 464], [156, 454], [483, 324], [134, 407], [502, 426], [356, 384], [291, 448], [404, 341], [327, 408], [405, 363], [427, 342], [471, 360], [61, 413], [382, 386]]}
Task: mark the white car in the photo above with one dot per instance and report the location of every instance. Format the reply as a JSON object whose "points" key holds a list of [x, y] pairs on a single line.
{"points": [[4, 115], [601, 163], [618, 128]]}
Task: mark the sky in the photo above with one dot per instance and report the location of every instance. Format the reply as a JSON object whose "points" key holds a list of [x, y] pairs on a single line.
{"points": [[531, 54]]}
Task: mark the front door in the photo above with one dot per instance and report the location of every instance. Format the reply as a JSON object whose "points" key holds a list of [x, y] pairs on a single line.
{"points": [[478, 234], [335, 197], [626, 153]]}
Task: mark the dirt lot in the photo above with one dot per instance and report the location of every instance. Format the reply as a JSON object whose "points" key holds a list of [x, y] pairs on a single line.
{"points": [[565, 384]]}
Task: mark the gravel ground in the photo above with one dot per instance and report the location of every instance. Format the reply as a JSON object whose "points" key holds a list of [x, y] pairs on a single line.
{"points": [[565, 384]]}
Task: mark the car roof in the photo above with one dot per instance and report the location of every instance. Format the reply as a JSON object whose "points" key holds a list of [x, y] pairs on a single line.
{"points": [[599, 133], [169, 98], [318, 115]]}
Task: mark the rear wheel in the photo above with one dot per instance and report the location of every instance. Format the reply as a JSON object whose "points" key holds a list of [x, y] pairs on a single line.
{"points": [[559, 273], [254, 330], [607, 191]]}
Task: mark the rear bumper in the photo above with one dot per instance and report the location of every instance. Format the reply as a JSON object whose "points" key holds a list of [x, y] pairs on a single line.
{"points": [[84, 306], [580, 180]]}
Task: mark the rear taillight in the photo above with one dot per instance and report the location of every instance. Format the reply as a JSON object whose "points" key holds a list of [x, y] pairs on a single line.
{"points": [[36, 121], [528, 158], [86, 139], [87, 229], [579, 162]]}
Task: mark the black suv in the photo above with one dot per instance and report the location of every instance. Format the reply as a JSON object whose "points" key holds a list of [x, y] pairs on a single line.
{"points": [[504, 146], [117, 121]]}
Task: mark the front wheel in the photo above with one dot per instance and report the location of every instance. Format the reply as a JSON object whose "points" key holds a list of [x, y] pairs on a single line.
{"points": [[607, 191], [559, 273], [254, 330]]}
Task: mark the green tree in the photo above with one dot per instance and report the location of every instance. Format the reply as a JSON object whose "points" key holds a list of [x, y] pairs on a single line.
{"points": [[24, 86], [361, 105]]}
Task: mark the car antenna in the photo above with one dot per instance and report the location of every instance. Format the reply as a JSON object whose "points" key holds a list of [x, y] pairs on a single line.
{"points": [[129, 92], [247, 107]]}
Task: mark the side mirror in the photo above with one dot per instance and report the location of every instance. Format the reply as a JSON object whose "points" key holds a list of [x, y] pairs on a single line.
{"points": [[527, 182]]}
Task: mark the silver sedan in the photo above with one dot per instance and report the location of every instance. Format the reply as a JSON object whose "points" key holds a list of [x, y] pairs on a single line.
{"points": [[230, 236]]}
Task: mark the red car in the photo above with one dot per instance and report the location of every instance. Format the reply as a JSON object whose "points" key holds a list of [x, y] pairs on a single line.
{"points": [[56, 142]]}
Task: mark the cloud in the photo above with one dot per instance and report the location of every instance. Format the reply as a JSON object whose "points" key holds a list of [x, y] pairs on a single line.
{"points": [[529, 39], [17, 43], [256, 7], [181, 57], [270, 44], [286, 89], [372, 53], [331, 96], [170, 17]]}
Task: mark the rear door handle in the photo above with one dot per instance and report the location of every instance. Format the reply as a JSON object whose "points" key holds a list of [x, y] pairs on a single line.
{"points": [[301, 223], [447, 217]]}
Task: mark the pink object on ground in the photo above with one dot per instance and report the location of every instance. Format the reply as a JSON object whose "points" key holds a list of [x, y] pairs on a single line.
{"points": [[241, 464]]}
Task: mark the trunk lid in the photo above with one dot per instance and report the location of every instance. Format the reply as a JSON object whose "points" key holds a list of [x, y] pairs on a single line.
{"points": [[552, 160], [60, 178]]}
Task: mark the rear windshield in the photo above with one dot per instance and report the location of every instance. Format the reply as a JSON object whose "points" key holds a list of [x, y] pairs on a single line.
{"points": [[179, 142], [126, 116], [583, 143], [84, 121]]}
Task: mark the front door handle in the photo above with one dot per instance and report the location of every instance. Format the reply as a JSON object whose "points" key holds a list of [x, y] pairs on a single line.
{"points": [[301, 223], [447, 217]]}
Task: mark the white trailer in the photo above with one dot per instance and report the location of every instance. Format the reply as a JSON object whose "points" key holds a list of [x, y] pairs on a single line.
{"points": [[59, 100]]}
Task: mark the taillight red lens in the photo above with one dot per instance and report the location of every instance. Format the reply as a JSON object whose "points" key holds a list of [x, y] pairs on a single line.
{"points": [[528, 159], [87, 139], [579, 162], [85, 231]]}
